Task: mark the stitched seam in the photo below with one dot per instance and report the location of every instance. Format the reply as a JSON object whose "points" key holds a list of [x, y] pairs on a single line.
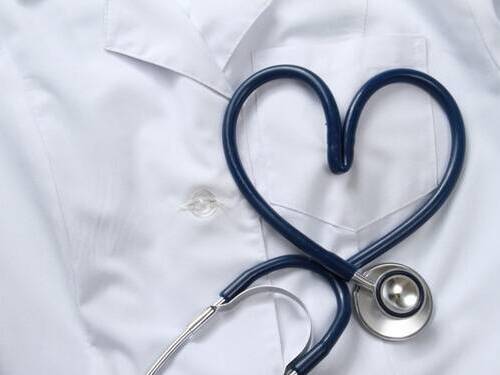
{"points": [[244, 117], [107, 22], [296, 210], [274, 300], [212, 86], [34, 114], [363, 226], [432, 104], [111, 45], [434, 133], [245, 32], [345, 38], [264, 242], [365, 21], [389, 356], [484, 40]]}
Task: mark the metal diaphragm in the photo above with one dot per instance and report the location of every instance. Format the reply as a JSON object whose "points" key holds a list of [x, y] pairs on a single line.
{"points": [[399, 306]]}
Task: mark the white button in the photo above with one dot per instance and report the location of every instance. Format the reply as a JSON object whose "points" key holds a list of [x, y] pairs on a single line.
{"points": [[202, 203]]}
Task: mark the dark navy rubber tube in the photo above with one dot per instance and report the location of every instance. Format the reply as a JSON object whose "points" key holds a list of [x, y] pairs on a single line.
{"points": [[336, 264], [340, 154]]}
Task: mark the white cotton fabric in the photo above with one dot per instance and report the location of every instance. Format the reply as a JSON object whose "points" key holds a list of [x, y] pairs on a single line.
{"points": [[110, 127]]}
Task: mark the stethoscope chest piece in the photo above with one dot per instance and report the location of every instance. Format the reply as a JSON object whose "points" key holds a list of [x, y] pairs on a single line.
{"points": [[398, 307]]}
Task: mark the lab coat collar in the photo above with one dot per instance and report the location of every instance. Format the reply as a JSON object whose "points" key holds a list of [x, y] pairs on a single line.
{"points": [[160, 32]]}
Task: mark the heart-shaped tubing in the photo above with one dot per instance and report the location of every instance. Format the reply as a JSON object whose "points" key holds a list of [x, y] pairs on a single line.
{"points": [[340, 150], [303, 363]]}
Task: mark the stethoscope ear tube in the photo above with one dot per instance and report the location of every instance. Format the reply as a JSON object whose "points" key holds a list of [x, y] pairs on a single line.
{"points": [[303, 363], [399, 301]]}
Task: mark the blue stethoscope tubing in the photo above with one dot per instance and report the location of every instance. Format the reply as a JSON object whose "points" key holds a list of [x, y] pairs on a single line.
{"points": [[340, 154]]}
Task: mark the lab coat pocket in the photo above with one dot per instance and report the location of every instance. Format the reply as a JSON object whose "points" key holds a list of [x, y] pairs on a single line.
{"points": [[395, 156]]}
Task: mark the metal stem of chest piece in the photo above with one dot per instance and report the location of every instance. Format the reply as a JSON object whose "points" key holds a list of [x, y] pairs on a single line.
{"points": [[360, 280], [222, 305], [184, 337]]}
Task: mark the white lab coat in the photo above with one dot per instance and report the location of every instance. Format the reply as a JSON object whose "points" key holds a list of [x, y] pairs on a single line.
{"points": [[119, 220]]}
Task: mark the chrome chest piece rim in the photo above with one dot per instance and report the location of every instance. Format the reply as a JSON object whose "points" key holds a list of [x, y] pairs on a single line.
{"points": [[398, 306]]}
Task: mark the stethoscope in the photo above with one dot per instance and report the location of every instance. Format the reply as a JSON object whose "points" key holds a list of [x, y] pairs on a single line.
{"points": [[391, 300]]}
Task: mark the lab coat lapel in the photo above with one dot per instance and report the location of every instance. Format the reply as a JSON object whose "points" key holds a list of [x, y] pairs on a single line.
{"points": [[161, 33], [223, 24]]}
